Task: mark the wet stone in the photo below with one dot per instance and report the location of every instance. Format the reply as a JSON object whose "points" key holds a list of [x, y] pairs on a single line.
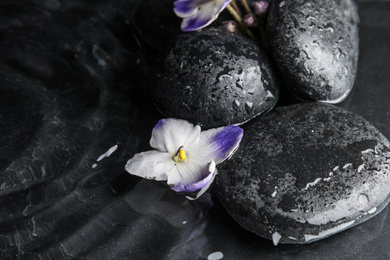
{"points": [[315, 44], [214, 78], [305, 172]]}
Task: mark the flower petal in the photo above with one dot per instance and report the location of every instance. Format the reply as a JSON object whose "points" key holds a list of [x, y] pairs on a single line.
{"points": [[205, 15], [204, 189], [150, 165], [222, 4], [190, 177], [186, 8], [216, 144], [169, 134]]}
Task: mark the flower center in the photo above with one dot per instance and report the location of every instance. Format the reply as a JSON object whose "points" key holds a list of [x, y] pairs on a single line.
{"points": [[180, 155]]}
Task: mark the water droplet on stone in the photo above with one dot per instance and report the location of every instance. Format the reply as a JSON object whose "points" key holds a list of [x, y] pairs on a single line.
{"points": [[329, 28], [269, 96], [248, 107], [224, 77], [363, 199], [276, 238], [251, 91], [306, 54], [236, 104], [239, 83], [345, 71], [372, 211]]}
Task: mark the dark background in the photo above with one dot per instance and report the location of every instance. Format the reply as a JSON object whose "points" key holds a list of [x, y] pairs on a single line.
{"points": [[73, 78]]}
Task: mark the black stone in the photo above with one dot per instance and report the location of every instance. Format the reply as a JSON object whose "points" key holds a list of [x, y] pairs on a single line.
{"points": [[305, 172], [214, 78], [315, 44]]}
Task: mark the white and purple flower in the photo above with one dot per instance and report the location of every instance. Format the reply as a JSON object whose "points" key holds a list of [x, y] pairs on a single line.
{"points": [[184, 156], [197, 14]]}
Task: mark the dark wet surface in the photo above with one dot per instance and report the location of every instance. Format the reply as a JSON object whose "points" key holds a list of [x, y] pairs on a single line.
{"points": [[73, 86], [304, 172], [214, 78], [316, 46]]}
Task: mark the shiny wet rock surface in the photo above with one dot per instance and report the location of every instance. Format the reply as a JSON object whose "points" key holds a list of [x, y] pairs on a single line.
{"points": [[214, 78], [316, 46], [305, 172], [73, 91]]}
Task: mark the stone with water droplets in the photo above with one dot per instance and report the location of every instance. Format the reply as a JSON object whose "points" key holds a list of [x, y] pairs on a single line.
{"points": [[315, 45], [305, 172], [213, 78]]}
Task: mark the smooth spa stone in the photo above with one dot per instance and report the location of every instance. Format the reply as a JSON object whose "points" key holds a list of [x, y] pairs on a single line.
{"points": [[214, 78], [305, 172], [315, 45]]}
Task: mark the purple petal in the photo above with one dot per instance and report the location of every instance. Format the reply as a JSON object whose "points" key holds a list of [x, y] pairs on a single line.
{"points": [[216, 144], [226, 3], [208, 11], [191, 187], [159, 124], [227, 140], [184, 8], [204, 189], [195, 23]]}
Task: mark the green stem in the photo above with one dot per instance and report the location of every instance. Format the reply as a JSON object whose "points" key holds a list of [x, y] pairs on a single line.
{"points": [[235, 6], [245, 4], [234, 13], [241, 23]]}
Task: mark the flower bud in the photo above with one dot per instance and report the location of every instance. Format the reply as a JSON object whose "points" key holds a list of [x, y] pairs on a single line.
{"points": [[261, 7], [230, 26], [250, 20]]}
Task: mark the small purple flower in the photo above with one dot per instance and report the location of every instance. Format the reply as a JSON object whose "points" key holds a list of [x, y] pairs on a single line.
{"points": [[197, 14], [184, 156], [261, 7], [250, 20]]}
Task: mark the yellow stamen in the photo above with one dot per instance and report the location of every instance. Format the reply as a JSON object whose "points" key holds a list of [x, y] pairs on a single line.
{"points": [[182, 154]]}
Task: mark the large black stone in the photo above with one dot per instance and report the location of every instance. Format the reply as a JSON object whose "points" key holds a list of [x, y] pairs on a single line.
{"points": [[305, 172], [315, 45], [215, 78]]}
